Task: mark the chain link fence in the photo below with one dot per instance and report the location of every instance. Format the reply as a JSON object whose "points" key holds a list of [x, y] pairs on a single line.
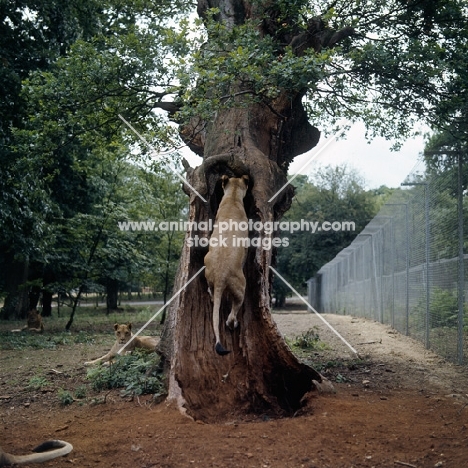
{"points": [[407, 267]]}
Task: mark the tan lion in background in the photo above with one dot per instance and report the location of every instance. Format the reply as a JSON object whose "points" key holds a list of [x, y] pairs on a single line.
{"points": [[34, 324], [123, 334]]}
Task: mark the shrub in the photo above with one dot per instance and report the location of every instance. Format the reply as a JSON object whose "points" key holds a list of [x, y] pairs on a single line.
{"points": [[65, 397], [37, 382], [443, 309], [136, 374], [80, 392], [308, 340]]}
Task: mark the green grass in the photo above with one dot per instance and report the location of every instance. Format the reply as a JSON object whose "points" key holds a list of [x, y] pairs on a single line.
{"points": [[308, 341], [37, 382], [89, 326], [137, 374], [42, 341], [65, 397]]}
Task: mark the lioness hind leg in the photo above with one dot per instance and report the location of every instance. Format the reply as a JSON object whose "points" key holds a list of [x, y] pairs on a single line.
{"points": [[105, 359], [237, 290]]}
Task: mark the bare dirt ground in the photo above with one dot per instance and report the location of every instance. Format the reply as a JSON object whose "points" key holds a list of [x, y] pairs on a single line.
{"points": [[398, 406]]}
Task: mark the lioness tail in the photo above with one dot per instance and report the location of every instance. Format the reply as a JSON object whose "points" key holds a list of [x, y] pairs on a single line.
{"points": [[220, 350]]}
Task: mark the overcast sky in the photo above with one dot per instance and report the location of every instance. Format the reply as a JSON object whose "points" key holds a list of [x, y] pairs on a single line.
{"points": [[375, 162]]}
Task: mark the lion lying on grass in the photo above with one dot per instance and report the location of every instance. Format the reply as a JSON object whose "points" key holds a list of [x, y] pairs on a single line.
{"points": [[123, 334], [45, 453], [34, 323]]}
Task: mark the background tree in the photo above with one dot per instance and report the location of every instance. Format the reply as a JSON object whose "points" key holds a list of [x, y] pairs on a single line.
{"points": [[333, 194], [65, 69], [33, 35], [442, 155], [159, 198]]}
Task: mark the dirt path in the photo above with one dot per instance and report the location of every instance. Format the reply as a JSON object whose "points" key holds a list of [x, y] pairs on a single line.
{"points": [[417, 366], [399, 406]]}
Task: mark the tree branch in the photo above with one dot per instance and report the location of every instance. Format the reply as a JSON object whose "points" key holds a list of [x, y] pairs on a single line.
{"points": [[170, 107], [339, 35], [318, 36]]}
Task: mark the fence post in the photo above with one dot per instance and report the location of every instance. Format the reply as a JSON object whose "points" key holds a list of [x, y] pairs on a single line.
{"points": [[461, 266], [407, 261], [426, 216], [372, 277], [381, 228]]}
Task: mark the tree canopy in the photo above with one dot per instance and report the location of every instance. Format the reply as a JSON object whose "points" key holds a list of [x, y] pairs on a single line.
{"points": [[68, 173], [389, 63]]}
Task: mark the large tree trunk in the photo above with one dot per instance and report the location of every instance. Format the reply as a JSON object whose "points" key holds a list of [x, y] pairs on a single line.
{"points": [[112, 290], [261, 374], [17, 298], [259, 139], [47, 294]]}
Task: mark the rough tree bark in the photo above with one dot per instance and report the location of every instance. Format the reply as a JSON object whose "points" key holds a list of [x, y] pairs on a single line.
{"points": [[112, 291], [17, 300], [259, 139], [48, 277]]}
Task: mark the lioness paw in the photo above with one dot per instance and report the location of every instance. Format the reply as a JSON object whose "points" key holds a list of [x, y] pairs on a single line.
{"points": [[232, 324]]}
